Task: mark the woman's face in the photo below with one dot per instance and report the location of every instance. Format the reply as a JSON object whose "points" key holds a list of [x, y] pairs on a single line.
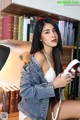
{"points": [[49, 36]]}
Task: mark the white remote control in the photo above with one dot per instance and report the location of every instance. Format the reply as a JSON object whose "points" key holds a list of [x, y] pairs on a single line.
{"points": [[70, 68]]}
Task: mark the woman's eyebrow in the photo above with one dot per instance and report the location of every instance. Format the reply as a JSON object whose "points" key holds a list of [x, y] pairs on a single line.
{"points": [[48, 29]]}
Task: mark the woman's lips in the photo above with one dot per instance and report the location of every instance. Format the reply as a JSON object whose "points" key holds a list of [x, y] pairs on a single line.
{"points": [[54, 40]]}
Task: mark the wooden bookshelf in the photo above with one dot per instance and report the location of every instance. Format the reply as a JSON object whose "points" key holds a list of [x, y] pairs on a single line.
{"points": [[39, 9], [16, 42], [13, 116], [69, 47], [9, 6]]}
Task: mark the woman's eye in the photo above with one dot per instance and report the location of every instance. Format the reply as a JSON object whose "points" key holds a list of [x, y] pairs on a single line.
{"points": [[47, 32]]}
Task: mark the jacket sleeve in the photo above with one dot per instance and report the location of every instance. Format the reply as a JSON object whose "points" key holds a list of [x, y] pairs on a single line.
{"points": [[29, 89]]}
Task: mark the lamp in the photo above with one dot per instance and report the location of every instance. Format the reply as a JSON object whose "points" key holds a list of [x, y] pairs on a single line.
{"points": [[4, 53], [11, 71]]}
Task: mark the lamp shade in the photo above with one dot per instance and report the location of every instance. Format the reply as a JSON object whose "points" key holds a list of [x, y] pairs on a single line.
{"points": [[4, 53]]}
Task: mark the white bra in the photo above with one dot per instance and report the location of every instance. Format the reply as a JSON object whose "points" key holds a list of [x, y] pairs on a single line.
{"points": [[50, 74]]}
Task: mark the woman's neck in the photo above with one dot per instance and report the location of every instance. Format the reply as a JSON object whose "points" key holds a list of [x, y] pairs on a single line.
{"points": [[49, 53]]}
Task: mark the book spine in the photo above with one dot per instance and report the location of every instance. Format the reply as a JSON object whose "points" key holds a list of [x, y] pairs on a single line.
{"points": [[17, 96], [7, 27], [6, 105], [70, 34], [20, 28], [31, 29], [15, 28], [17, 100], [61, 25], [65, 33], [1, 99], [12, 99], [1, 27], [12, 102]]}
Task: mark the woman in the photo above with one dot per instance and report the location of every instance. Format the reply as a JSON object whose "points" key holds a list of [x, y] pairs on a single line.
{"points": [[41, 78]]}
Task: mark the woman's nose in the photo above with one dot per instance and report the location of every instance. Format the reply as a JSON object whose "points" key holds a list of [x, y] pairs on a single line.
{"points": [[53, 34]]}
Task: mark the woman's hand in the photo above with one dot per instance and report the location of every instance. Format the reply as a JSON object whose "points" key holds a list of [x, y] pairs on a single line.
{"points": [[59, 81]]}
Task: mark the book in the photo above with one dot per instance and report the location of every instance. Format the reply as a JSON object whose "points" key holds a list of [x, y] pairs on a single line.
{"points": [[65, 33], [28, 29], [61, 25], [70, 40], [1, 27], [31, 29], [1, 99], [20, 28], [6, 100], [33, 21], [17, 97], [12, 99], [26, 25], [7, 27], [15, 28]]}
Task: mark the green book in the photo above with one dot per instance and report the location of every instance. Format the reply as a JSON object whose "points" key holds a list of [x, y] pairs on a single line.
{"points": [[20, 29]]}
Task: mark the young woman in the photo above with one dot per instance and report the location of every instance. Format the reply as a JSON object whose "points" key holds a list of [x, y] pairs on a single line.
{"points": [[41, 79]]}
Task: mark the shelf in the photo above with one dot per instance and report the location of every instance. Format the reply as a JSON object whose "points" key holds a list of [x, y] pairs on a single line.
{"points": [[14, 42], [41, 8], [13, 116], [18, 43], [9, 7], [15, 45], [69, 47]]}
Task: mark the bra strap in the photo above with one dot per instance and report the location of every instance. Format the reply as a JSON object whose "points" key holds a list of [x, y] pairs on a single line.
{"points": [[47, 59]]}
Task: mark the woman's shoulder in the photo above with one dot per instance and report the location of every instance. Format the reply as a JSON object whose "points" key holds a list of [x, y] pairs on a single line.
{"points": [[39, 57]]}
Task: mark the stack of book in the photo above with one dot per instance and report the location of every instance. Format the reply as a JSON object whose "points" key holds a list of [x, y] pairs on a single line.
{"points": [[9, 99]]}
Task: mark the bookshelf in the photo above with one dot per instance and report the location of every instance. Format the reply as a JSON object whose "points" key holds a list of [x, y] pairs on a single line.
{"points": [[13, 116], [38, 8], [49, 8]]}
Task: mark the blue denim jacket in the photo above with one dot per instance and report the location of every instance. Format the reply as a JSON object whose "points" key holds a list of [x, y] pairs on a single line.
{"points": [[35, 91]]}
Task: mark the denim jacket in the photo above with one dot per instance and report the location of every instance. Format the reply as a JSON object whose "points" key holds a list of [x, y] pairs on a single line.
{"points": [[35, 91]]}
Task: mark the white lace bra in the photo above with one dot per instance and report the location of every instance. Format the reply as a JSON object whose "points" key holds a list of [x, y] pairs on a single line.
{"points": [[50, 74]]}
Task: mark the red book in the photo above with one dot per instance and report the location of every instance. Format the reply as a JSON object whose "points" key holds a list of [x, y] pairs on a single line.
{"points": [[1, 27], [7, 27]]}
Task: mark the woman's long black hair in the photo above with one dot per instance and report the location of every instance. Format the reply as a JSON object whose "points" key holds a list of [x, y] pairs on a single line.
{"points": [[37, 45]]}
